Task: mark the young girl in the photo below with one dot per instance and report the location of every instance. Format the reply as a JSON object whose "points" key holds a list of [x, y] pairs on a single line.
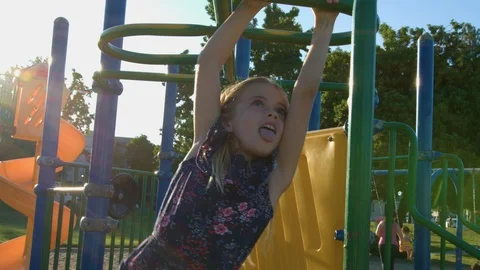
{"points": [[406, 243], [244, 156]]}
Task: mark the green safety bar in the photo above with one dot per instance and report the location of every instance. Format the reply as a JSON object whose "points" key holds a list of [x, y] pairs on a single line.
{"points": [[461, 178], [192, 30], [443, 212], [411, 187], [388, 158]]}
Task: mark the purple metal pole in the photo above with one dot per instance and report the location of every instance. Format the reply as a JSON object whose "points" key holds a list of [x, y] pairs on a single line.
{"points": [[53, 107], [103, 139], [168, 133]]}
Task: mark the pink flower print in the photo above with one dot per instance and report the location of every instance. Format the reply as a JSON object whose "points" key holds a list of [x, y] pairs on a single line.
{"points": [[229, 181], [251, 212], [165, 221], [220, 229], [227, 212], [243, 206]]}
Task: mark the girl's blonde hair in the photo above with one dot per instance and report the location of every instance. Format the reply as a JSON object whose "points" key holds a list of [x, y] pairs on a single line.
{"points": [[221, 160]]}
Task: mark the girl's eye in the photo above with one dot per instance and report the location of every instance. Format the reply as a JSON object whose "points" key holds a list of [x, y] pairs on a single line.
{"points": [[282, 112], [258, 103]]}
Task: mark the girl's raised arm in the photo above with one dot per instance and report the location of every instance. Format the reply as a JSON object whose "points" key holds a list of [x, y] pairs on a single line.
{"points": [[303, 95], [209, 63]]}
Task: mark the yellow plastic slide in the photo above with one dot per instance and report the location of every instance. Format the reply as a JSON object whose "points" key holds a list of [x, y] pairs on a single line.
{"points": [[301, 235], [18, 177]]}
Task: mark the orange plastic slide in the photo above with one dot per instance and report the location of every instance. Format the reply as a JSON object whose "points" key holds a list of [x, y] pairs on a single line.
{"points": [[18, 177]]}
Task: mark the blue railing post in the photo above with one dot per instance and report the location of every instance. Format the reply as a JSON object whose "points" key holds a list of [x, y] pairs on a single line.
{"points": [[314, 121], [53, 108], [102, 148], [242, 58], [168, 133], [424, 132]]}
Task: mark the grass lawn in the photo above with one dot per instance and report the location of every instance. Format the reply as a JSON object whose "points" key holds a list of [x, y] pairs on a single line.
{"points": [[138, 225], [12, 223]]}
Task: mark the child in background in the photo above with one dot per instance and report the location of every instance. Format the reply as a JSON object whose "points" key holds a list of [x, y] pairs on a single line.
{"points": [[244, 156], [406, 243]]}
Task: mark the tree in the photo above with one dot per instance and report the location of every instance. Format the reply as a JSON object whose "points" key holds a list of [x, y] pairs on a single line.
{"points": [[140, 154], [334, 110], [76, 110], [156, 161], [277, 60]]}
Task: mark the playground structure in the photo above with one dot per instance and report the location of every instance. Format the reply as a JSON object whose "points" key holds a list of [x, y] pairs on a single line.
{"points": [[344, 161]]}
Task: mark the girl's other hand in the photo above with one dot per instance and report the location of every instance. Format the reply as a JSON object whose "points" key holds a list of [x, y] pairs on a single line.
{"points": [[325, 16]]}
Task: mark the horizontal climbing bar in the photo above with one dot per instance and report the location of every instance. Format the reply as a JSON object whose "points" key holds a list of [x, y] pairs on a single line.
{"points": [[192, 30], [343, 6], [190, 78]]}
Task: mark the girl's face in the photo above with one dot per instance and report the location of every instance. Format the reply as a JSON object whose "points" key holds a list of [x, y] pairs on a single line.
{"points": [[257, 119]]}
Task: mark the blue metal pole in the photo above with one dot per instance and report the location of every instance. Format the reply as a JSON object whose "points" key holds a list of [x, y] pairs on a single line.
{"points": [[424, 133], [53, 108], [103, 139], [242, 58], [314, 121], [168, 132]]}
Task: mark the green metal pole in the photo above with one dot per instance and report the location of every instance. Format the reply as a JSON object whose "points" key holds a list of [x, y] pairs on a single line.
{"points": [[223, 9], [360, 126], [443, 213], [392, 149], [460, 194]]}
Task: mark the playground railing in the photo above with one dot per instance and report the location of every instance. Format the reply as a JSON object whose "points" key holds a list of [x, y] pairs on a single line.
{"points": [[393, 128], [460, 189], [133, 228]]}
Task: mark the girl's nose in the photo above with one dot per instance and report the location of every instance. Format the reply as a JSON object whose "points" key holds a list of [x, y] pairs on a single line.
{"points": [[273, 114]]}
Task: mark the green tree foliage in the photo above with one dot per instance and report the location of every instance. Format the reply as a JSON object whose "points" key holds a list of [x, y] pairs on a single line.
{"points": [[141, 154], [334, 106], [277, 60], [156, 160], [76, 110], [119, 155]]}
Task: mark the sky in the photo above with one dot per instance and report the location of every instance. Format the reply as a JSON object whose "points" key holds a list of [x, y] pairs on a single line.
{"points": [[27, 32]]}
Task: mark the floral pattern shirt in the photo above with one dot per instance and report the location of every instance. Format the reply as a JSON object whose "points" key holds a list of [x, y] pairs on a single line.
{"points": [[198, 226]]}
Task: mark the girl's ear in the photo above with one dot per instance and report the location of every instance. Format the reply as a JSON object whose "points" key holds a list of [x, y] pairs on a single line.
{"points": [[227, 125]]}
